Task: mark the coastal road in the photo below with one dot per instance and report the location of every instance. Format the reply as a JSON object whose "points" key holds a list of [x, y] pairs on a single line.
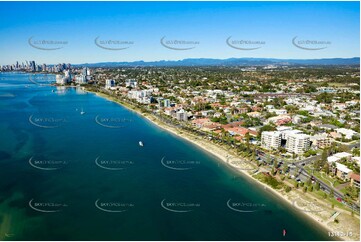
{"points": [[303, 175], [308, 160]]}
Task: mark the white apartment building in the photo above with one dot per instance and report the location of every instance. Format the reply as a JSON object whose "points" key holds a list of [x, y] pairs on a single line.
{"points": [[286, 133], [139, 94], [271, 139], [131, 83], [142, 96], [109, 83], [62, 80], [81, 79], [297, 143], [182, 115]]}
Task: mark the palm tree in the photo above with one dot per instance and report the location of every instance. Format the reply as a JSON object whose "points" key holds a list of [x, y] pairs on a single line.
{"points": [[248, 137]]}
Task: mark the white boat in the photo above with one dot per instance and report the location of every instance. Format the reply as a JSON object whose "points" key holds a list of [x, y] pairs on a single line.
{"points": [[82, 112], [141, 143]]}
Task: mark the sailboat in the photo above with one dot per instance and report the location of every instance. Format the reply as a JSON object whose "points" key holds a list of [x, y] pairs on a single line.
{"points": [[141, 143], [82, 111]]}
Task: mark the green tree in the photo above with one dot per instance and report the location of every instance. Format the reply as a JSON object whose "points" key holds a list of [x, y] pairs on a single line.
{"points": [[324, 155], [253, 156], [356, 152], [288, 189], [248, 137], [326, 168], [275, 162], [317, 186]]}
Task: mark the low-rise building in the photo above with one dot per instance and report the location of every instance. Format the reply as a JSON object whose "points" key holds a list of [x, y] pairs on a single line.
{"points": [[348, 133], [321, 141], [342, 172], [254, 114], [343, 155], [241, 131], [355, 180], [298, 119], [278, 111], [200, 122], [170, 111], [279, 120], [338, 157]]}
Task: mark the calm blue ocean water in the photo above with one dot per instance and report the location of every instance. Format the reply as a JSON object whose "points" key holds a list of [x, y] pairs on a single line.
{"points": [[71, 168]]}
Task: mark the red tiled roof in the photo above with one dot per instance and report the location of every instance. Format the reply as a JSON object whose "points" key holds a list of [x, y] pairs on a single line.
{"points": [[241, 131], [231, 125], [355, 177], [255, 108], [215, 104], [211, 126], [201, 121]]}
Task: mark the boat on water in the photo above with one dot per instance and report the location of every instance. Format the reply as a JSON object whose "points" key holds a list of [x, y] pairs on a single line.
{"points": [[141, 143], [284, 232], [82, 111]]}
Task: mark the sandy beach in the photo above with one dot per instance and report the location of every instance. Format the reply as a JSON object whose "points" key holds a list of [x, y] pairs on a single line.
{"points": [[307, 204]]}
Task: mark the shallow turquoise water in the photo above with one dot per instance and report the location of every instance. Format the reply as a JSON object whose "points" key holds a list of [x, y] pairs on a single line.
{"points": [[71, 176]]}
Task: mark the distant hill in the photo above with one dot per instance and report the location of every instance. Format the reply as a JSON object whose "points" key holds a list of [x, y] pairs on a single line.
{"points": [[230, 62]]}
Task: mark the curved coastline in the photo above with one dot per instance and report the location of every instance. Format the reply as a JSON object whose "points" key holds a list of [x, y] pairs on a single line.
{"points": [[221, 154]]}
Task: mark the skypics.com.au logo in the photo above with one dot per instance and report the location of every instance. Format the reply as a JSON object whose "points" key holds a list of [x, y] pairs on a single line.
{"points": [[46, 44]]}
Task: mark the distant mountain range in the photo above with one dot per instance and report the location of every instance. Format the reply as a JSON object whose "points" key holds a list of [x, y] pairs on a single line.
{"points": [[230, 62]]}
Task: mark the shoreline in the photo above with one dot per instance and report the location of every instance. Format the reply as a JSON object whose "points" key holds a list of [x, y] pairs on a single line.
{"points": [[223, 155]]}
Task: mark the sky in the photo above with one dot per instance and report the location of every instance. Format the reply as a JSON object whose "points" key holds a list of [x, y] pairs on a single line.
{"points": [[264, 29]]}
